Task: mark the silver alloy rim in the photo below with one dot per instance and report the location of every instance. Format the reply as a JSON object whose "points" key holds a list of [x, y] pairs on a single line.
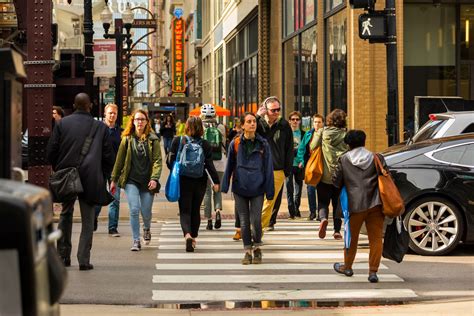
{"points": [[433, 226]]}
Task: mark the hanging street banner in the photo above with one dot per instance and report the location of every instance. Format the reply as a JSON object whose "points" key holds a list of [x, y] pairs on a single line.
{"points": [[124, 87], [105, 59], [178, 76]]}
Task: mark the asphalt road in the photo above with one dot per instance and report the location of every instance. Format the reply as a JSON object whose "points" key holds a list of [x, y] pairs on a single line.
{"points": [[122, 277]]}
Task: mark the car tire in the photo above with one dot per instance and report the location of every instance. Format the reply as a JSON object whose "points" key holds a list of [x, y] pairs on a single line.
{"points": [[424, 222]]}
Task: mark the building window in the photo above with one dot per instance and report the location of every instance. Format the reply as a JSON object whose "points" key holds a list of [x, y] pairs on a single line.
{"points": [[336, 72], [300, 73], [298, 13], [219, 92], [241, 71], [331, 4]]}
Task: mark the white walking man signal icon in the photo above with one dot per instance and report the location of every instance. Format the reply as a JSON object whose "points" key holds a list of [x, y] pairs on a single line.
{"points": [[366, 27]]}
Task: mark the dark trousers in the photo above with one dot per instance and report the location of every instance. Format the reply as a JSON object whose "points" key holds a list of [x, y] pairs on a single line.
{"points": [[167, 144], [87, 230], [312, 199], [294, 186], [191, 195], [327, 193], [276, 208], [250, 214], [373, 219]]}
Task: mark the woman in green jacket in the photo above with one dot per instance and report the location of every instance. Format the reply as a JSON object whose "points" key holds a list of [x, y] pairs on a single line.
{"points": [[331, 138], [137, 169]]}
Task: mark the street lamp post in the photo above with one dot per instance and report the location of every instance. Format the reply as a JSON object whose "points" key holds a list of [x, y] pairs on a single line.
{"points": [[121, 78]]}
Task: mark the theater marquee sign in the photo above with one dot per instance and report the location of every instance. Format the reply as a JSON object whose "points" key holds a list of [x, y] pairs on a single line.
{"points": [[178, 77]]}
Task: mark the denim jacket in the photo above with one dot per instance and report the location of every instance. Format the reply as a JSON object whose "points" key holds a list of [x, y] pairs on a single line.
{"points": [[252, 175]]}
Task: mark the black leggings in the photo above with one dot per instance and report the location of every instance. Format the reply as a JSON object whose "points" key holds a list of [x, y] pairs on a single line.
{"points": [[191, 195], [329, 193]]}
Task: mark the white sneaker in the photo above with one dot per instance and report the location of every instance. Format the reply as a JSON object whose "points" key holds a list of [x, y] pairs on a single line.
{"points": [[136, 245]]}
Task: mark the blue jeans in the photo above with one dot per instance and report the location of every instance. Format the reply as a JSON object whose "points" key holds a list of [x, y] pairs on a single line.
{"points": [[249, 210], [167, 144], [311, 199], [139, 201], [114, 208], [293, 192], [211, 195]]}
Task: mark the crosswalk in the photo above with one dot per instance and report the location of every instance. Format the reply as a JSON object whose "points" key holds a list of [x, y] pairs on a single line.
{"points": [[296, 266]]}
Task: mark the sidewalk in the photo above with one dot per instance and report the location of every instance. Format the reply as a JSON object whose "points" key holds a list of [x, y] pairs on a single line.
{"points": [[429, 308]]}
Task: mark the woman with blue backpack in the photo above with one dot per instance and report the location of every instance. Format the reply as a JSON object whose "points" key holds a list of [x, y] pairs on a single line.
{"points": [[194, 155], [249, 164]]}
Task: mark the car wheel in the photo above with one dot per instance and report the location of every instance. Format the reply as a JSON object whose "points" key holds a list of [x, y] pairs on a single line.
{"points": [[435, 226]]}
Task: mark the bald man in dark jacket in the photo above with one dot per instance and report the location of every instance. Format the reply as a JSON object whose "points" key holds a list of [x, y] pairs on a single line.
{"points": [[64, 149]]}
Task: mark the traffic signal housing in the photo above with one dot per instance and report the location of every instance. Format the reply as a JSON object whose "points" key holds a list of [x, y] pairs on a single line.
{"points": [[363, 4]]}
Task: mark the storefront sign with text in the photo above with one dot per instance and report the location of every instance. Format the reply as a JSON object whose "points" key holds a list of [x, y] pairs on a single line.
{"points": [[178, 78]]}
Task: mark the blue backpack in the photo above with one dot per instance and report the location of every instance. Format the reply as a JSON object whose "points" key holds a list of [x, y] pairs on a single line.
{"points": [[191, 158]]}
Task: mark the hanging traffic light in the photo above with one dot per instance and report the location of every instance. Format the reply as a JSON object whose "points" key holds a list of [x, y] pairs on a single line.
{"points": [[363, 4]]}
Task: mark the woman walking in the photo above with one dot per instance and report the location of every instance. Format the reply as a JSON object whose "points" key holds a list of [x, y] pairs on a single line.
{"points": [[137, 169], [192, 189], [356, 170], [331, 138], [250, 166], [167, 131]]}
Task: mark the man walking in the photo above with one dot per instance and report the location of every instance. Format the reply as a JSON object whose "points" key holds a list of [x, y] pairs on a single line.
{"points": [[64, 151], [111, 112], [277, 131]]}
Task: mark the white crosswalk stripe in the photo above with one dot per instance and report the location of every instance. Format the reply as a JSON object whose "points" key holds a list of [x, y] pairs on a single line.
{"points": [[297, 265]]}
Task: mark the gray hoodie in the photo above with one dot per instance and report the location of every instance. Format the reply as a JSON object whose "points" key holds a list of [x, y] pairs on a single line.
{"points": [[361, 157]]}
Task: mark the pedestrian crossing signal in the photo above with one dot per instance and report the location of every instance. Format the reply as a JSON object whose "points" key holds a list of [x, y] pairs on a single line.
{"points": [[363, 4]]}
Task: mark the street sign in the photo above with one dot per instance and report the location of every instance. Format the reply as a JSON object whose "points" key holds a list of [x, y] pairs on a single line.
{"points": [[105, 64], [373, 26], [144, 24], [165, 100], [142, 52]]}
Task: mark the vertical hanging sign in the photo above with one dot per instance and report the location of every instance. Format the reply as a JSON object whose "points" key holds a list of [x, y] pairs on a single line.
{"points": [[178, 76]]}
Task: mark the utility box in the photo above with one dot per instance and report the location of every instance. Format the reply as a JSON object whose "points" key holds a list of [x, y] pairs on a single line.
{"points": [[11, 92], [32, 277]]}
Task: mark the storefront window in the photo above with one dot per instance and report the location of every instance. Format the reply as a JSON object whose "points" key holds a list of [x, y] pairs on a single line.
{"points": [[429, 53], [298, 13], [291, 74], [289, 16], [336, 28], [467, 52], [309, 73], [331, 4], [219, 93], [310, 12]]}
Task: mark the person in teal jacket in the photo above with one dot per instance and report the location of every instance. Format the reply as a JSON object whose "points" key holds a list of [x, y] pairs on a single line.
{"points": [[302, 158]]}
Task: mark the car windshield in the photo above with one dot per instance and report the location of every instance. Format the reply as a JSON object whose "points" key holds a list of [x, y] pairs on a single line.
{"points": [[429, 130]]}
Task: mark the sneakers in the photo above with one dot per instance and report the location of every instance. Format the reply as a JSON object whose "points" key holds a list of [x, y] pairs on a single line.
{"points": [[291, 218], [114, 232], [86, 267], [218, 223], [338, 268], [337, 236], [269, 228], [322, 228], [247, 259], [257, 256], [209, 224], [237, 235], [146, 236], [373, 278], [311, 217], [136, 246]]}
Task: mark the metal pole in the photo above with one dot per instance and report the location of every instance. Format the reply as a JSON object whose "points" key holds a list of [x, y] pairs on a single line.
{"points": [[88, 49], [392, 74], [118, 77]]}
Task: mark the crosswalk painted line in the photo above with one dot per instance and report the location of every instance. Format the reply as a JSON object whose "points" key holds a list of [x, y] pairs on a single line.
{"points": [[279, 295], [269, 266], [297, 265], [266, 255], [270, 278]]}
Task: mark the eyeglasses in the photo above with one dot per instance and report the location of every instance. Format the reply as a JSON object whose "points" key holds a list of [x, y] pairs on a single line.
{"points": [[274, 110], [140, 120], [297, 119]]}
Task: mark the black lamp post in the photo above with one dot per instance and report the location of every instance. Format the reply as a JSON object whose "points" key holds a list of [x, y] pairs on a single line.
{"points": [[88, 48], [123, 55]]}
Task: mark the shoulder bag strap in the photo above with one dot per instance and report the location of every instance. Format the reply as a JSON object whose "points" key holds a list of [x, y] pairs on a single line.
{"points": [[87, 143]]}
